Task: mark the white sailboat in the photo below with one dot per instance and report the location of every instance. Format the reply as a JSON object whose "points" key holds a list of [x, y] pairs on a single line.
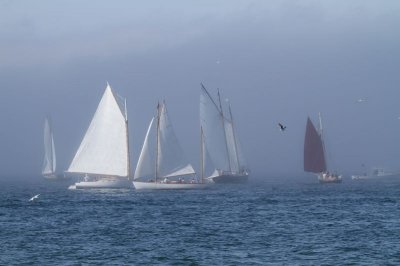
{"points": [[49, 161], [103, 156], [314, 154], [221, 142], [162, 164]]}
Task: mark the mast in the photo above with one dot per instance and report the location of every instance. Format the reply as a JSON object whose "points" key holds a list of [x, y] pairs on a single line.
{"points": [[320, 123], [223, 126], [209, 96], [127, 141], [201, 154], [234, 137], [51, 146], [322, 138], [157, 139]]}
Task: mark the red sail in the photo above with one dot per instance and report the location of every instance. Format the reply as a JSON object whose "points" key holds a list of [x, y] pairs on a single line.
{"points": [[314, 157]]}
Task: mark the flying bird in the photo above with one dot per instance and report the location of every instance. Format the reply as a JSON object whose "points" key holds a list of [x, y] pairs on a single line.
{"points": [[361, 100], [35, 197], [281, 127]]}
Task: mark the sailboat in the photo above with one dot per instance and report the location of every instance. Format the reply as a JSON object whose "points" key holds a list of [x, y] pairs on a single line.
{"points": [[376, 173], [314, 154], [49, 161], [162, 164], [220, 142], [103, 156]]}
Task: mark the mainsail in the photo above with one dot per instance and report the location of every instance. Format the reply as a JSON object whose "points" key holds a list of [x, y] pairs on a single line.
{"points": [[212, 123], [161, 154], [314, 156], [49, 162], [104, 149]]}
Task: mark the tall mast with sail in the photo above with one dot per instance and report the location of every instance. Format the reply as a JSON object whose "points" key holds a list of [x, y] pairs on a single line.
{"points": [[128, 163], [224, 127], [162, 164], [157, 162], [234, 137], [103, 155], [49, 161], [202, 153], [314, 154], [220, 140]]}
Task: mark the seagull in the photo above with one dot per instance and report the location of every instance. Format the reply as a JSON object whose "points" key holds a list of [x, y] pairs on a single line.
{"points": [[281, 127], [35, 197], [361, 100]]}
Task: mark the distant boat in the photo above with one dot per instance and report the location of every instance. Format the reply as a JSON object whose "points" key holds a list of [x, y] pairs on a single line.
{"points": [[162, 164], [102, 158], [49, 161], [220, 142], [314, 154], [376, 173]]}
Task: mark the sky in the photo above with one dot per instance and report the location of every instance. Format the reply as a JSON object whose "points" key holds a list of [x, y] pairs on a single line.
{"points": [[276, 61]]}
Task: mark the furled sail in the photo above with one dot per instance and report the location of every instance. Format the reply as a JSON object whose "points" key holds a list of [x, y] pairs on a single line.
{"points": [[104, 148], [49, 162], [314, 157]]}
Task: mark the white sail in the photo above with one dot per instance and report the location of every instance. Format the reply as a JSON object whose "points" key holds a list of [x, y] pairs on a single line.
{"points": [[242, 159], [146, 164], [206, 164], [104, 148], [161, 154], [237, 160], [211, 120], [171, 159], [49, 162], [231, 144]]}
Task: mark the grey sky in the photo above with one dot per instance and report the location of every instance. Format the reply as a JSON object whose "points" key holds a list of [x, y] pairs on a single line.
{"points": [[277, 61]]}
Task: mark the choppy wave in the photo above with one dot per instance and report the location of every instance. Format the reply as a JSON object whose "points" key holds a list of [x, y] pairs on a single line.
{"points": [[254, 224]]}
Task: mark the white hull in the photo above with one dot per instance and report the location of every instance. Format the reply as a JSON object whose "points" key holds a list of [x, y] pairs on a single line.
{"points": [[161, 186], [103, 183], [358, 177], [329, 178]]}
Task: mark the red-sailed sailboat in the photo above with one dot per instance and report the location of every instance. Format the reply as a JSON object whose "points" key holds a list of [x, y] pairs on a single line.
{"points": [[314, 154]]}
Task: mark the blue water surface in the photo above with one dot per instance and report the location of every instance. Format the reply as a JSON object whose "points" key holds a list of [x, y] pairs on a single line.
{"points": [[269, 221]]}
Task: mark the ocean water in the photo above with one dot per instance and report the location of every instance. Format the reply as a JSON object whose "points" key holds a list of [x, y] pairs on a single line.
{"points": [[268, 221]]}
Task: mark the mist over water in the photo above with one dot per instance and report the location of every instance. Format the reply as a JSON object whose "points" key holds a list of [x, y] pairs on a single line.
{"points": [[275, 62]]}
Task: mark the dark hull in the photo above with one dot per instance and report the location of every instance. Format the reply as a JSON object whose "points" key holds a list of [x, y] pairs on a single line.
{"points": [[54, 177], [225, 179], [331, 181]]}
